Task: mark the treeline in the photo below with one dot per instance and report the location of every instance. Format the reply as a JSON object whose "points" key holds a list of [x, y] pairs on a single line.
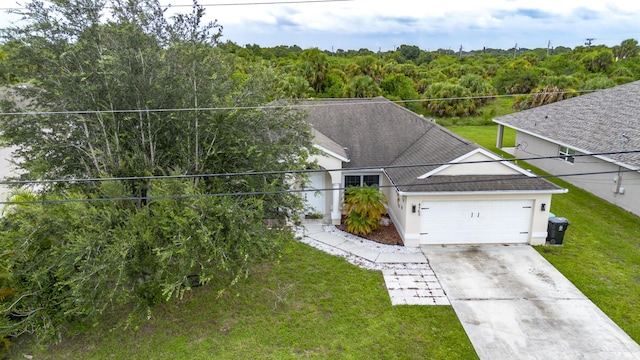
{"points": [[452, 83]]}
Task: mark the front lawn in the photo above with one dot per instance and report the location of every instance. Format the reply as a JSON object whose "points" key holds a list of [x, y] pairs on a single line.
{"points": [[601, 249], [309, 305]]}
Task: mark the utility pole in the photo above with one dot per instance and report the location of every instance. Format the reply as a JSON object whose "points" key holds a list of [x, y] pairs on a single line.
{"points": [[548, 47], [460, 52], [589, 41], [515, 50]]}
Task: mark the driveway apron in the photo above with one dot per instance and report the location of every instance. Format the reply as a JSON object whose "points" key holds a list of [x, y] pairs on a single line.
{"points": [[513, 304]]}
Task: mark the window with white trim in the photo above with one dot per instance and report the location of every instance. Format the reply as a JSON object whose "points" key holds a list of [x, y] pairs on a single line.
{"points": [[361, 180], [566, 154]]}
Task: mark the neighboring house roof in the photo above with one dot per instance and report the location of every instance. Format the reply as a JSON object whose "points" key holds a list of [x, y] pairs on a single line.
{"points": [[379, 134], [603, 121]]}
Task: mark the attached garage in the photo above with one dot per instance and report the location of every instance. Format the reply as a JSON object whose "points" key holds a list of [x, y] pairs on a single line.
{"points": [[476, 222]]}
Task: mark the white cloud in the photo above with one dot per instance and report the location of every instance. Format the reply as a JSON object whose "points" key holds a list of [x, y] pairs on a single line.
{"points": [[430, 25]]}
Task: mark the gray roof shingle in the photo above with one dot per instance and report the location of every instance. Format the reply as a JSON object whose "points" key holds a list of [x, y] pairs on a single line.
{"points": [[363, 127], [479, 183], [378, 133], [592, 123]]}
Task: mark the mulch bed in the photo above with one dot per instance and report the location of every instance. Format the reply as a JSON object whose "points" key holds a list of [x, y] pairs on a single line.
{"points": [[385, 234]]}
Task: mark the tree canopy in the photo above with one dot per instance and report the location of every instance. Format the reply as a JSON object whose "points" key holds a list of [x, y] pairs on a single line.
{"points": [[158, 104], [516, 72]]}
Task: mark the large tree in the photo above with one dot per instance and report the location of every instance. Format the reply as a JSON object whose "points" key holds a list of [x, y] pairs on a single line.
{"points": [[118, 90]]}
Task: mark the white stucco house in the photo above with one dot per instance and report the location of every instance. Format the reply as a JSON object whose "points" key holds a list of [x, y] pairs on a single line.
{"points": [[595, 139], [440, 187]]}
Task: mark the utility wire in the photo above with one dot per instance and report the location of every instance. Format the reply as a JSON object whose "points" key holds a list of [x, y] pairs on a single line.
{"points": [[256, 3], [289, 191], [284, 172], [339, 102]]}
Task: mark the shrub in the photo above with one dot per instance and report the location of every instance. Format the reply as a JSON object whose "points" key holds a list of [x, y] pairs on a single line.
{"points": [[364, 207]]}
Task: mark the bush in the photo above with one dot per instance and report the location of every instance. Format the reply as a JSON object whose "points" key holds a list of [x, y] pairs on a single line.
{"points": [[364, 207], [71, 261]]}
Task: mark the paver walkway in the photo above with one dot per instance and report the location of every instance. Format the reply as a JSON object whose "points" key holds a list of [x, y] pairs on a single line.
{"points": [[414, 287], [407, 274]]}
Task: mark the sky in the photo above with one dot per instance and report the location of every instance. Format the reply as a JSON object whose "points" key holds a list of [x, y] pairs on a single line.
{"points": [[384, 25]]}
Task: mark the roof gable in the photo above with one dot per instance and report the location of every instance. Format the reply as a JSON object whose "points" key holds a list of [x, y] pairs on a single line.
{"points": [[477, 162], [329, 147]]}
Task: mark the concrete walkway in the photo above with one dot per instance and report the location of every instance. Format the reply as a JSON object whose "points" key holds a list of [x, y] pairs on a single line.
{"points": [[407, 274]]}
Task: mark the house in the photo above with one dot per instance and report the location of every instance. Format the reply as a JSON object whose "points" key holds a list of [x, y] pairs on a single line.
{"points": [[596, 135], [440, 187]]}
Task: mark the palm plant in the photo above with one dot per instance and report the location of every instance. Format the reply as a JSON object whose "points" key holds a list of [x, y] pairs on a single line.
{"points": [[364, 207]]}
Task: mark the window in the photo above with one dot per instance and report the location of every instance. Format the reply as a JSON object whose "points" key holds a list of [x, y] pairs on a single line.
{"points": [[371, 180], [361, 180], [351, 180], [566, 154]]}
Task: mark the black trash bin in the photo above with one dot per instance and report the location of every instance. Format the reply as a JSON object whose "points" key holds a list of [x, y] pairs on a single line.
{"points": [[556, 229]]}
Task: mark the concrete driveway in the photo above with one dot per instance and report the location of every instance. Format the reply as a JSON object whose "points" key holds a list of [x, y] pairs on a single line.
{"points": [[513, 304]]}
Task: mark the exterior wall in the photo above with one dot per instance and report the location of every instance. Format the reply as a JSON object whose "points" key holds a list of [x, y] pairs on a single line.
{"points": [[601, 185], [332, 180], [327, 196], [329, 162], [397, 209], [411, 221]]}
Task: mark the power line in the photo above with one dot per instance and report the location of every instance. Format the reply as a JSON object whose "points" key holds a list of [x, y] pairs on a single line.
{"points": [[342, 102], [284, 172], [255, 3], [289, 191], [261, 3]]}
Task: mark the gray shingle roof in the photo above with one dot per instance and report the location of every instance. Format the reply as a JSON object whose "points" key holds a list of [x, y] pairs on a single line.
{"points": [[364, 126], [379, 133], [591, 123], [479, 183]]}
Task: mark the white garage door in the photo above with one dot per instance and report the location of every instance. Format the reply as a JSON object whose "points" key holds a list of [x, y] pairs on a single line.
{"points": [[476, 222]]}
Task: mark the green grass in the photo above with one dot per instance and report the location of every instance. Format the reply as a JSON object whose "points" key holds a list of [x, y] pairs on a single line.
{"points": [[601, 249], [486, 136], [309, 305], [498, 107]]}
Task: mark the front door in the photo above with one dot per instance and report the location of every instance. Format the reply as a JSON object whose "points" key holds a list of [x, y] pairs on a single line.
{"points": [[315, 194]]}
